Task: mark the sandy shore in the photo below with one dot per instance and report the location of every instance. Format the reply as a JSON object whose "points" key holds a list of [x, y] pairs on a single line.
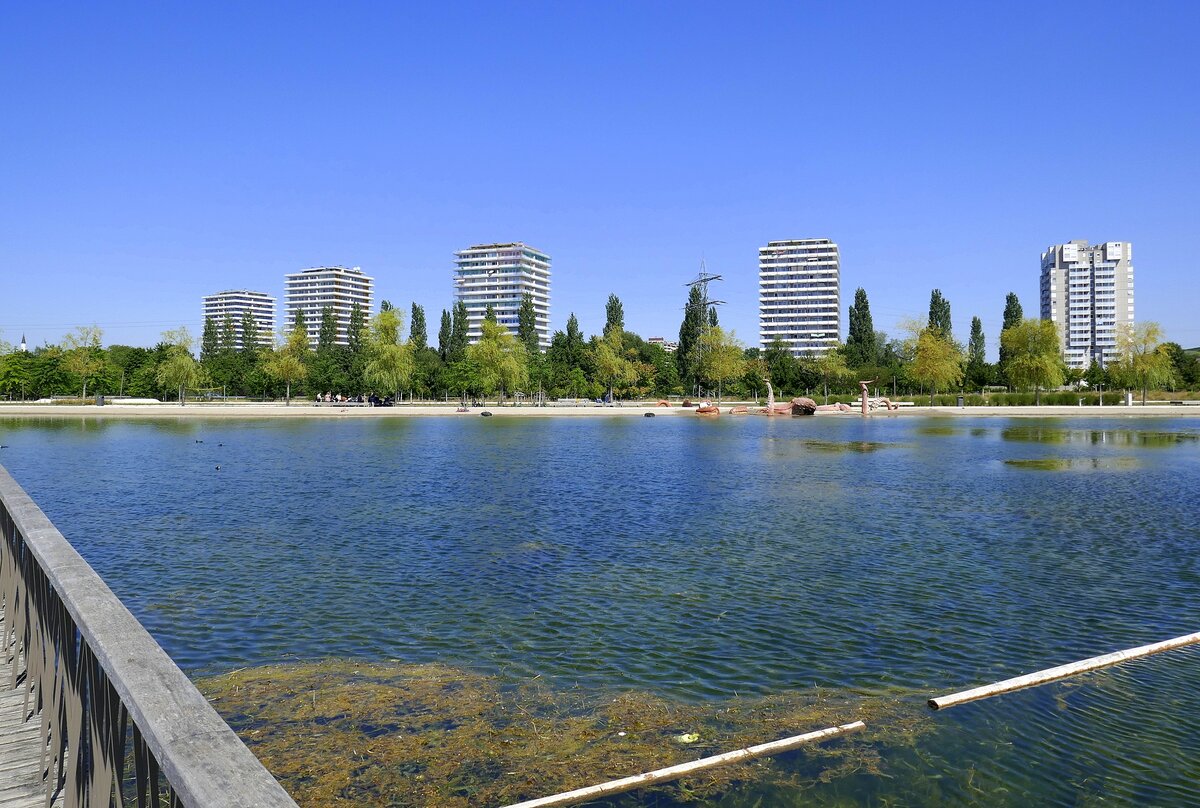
{"points": [[308, 410]]}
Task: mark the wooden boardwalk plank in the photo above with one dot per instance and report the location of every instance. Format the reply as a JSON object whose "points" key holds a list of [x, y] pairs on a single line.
{"points": [[21, 784]]}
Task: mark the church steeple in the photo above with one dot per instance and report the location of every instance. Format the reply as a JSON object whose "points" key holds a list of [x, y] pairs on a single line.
{"points": [[24, 347]]}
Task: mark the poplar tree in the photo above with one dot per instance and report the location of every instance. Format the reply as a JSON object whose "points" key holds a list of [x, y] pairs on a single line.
{"points": [[324, 365], [228, 341], [1012, 317], [458, 332], [527, 325], [444, 336], [354, 333], [574, 343], [425, 359], [418, 333], [686, 357], [250, 335], [210, 340], [247, 360], [223, 367], [939, 314], [614, 314], [327, 336], [355, 355], [977, 355], [860, 341]]}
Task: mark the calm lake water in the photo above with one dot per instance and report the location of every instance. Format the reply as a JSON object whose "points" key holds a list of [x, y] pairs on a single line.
{"points": [[696, 559]]}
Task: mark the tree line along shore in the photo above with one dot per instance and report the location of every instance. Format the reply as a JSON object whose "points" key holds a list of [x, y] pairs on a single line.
{"points": [[384, 358]]}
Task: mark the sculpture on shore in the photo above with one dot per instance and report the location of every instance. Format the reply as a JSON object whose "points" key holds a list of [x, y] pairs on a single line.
{"points": [[772, 408], [806, 406], [871, 404], [838, 407]]}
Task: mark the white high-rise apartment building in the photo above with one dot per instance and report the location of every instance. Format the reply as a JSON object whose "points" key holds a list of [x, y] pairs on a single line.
{"points": [[1087, 291], [500, 275], [799, 295], [337, 288], [235, 304]]}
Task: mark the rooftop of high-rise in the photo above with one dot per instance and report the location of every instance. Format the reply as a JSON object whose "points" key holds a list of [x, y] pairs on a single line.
{"points": [[238, 292], [329, 268]]}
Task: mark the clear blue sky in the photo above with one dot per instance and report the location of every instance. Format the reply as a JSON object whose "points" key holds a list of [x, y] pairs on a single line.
{"points": [[152, 153]]}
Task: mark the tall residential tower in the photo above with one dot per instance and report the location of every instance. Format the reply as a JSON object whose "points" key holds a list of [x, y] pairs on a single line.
{"points": [[500, 275], [235, 304], [1088, 293], [799, 295], [336, 288]]}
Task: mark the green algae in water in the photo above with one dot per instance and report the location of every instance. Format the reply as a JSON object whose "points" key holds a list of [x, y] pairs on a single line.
{"points": [[939, 430], [1076, 463], [861, 446], [340, 733]]}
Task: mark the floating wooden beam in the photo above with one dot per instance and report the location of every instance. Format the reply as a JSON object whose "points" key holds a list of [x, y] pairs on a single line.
{"points": [[1061, 672], [683, 769]]}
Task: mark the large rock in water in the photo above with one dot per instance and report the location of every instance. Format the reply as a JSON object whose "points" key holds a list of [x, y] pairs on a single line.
{"points": [[803, 406]]}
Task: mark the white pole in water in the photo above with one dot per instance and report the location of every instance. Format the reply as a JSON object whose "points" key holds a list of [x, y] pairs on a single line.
{"points": [[675, 772], [1061, 672]]}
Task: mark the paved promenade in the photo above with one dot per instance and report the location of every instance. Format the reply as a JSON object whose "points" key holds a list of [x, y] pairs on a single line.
{"points": [[306, 409]]}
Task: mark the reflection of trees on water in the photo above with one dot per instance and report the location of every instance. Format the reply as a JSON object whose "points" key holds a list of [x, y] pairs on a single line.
{"points": [[84, 424], [1098, 437]]}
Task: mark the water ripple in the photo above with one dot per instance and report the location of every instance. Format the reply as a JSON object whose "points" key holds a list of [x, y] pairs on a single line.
{"points": [[693, 559]]}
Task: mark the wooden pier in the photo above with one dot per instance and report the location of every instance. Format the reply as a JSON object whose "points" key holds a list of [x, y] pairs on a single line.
{"points": [[21, 783], [117, 723]]}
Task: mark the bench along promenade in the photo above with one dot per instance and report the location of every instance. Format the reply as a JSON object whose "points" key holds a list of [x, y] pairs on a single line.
{"points": [[93, 713]]}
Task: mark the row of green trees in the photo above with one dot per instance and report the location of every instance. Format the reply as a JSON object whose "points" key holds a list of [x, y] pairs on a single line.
{"points": [[378, 357], [1030, 358]]}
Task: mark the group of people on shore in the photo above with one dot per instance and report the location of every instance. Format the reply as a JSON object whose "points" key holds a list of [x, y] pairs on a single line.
{"points": [[370, 400]]}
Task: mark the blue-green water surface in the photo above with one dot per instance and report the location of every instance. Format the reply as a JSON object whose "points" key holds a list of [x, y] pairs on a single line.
{"points": [[694, 558]]}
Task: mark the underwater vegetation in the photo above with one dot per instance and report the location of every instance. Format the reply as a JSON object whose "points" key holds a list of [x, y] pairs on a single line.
{"points": [[341, 733], [845, 446]]}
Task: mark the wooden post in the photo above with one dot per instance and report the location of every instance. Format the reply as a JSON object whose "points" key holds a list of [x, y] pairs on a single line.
{"points": [[1061, 672], [683, 769]]}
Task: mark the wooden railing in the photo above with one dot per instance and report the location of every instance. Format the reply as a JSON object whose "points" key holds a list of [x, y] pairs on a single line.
{"points": [[121, 725]]}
